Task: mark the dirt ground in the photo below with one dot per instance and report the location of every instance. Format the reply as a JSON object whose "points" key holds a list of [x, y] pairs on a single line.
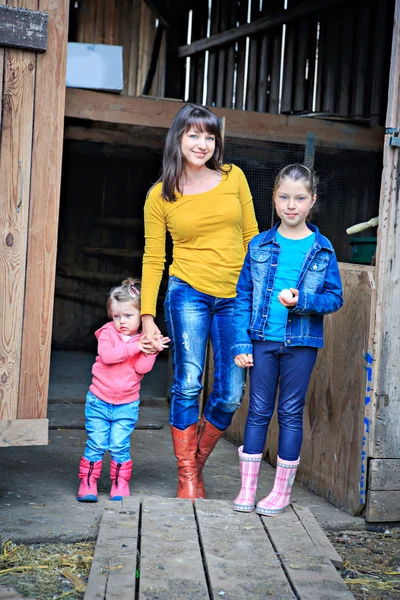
{"points": [[372, 561], [56, 571]]}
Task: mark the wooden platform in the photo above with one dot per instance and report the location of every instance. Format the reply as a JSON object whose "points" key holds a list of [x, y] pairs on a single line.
{"points": [[160, 548]]}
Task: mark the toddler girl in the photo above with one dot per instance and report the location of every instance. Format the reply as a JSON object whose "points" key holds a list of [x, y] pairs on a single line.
{"points": [[290, 279], [112, 403]]}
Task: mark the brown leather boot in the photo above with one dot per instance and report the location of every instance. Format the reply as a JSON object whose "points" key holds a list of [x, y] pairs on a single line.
{"points": [[185, 446], [207, 438]]}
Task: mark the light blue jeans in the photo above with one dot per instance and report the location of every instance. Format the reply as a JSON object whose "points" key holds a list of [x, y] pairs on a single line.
{"points": [[109, 427], [192, 318]]}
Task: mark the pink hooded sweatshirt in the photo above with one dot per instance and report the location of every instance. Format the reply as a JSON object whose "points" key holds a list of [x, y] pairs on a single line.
{"points": [[119, 367]]}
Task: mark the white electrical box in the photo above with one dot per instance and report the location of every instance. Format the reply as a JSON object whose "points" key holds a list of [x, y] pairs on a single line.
{"points": [[95, 67]]}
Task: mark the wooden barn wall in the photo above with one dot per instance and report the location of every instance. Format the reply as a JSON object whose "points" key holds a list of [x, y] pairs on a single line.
{"points": [[100, 233], [127, 23], [352, 52], [30, 170], [333, 464]]}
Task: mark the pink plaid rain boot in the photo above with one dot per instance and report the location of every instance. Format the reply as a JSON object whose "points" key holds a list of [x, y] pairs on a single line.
{"points": [[279, 499], [120, 474], [249, 468], [89, 472]]}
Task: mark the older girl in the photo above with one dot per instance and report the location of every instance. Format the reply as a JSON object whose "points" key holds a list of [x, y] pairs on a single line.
{"points": [[207, 207], [290, 279]]}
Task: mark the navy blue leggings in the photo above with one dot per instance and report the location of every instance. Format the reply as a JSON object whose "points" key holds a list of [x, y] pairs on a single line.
{"points": [[291, 367]]}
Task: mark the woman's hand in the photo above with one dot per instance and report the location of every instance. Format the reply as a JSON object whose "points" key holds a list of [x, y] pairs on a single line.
{"points": [[244, 360], [292, 302], [153, 335]]}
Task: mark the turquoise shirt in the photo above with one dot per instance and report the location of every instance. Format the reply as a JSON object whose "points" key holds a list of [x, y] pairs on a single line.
{"points": [[291, 258]]}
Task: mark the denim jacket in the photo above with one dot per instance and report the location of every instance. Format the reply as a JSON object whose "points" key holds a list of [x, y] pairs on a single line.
{"points": [[319, 285]]}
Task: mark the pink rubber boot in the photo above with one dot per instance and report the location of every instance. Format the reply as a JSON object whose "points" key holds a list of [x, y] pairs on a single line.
{"points": [[279, 499], [89, 472], [249, 468], [120, 474]]}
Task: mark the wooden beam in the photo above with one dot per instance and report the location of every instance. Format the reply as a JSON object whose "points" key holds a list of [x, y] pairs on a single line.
{"points": [[383, 506], [159, 113], [386, 349], [45, 181], [22, 28], [258, 26], [24, 432], [15, 168], [111, 136], [384, 474]]}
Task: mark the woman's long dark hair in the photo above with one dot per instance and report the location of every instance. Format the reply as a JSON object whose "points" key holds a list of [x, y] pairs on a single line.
{"points": [[203, 119]]}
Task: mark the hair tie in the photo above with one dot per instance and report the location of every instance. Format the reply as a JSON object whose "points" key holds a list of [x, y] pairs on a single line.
{"points": [[133, 290]]}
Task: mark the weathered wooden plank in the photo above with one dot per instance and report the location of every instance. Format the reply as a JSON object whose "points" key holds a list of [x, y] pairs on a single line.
{"points": [[100, 106], [170, 561], [24, 432], [384, 474], [113, 572], [240, 559], [22, 28], [260, 25], [15, 168], [43, 215], [312, 575], [317, 535], [383, 506], [387, 317], [110, 136]]}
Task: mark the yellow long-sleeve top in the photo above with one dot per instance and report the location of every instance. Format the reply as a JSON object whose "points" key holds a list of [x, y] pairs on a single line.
{"points": [[210, 233]]}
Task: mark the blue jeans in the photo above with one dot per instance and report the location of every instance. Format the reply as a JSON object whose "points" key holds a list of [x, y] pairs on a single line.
{"points": [[109, 427], [192, 317], [292, 367]]}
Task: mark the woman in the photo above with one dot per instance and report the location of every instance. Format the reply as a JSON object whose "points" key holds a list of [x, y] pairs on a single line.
{"points": [[208, 209]]}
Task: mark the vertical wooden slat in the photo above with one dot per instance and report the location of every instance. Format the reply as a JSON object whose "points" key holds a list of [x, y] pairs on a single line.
{"points": [[15, 168], [128, 23], [321, 59], [99, 22], [275, 72], [380, 20], [299, 91], [212, 60], [262, 93], [201, 15], [220, 85], [158, 88], [109, 21], [43, 214], [386, 348], [230, 62], [346, 55], [252, 84], [361, 91], [330, 66], [1, 84], [312, 48], [288, 68], [241, 58]]}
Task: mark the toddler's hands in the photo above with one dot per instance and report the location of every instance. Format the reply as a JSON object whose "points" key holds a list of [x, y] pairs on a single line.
{"points": [[146, 346], [292, 302], [154, 345], [244, 360]]}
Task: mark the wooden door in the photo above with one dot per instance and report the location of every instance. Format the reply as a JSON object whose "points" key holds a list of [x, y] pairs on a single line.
{"points": [[32, 88]]}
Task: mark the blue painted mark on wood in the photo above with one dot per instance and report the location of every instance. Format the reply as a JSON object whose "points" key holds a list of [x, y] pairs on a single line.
{"points": [[368, 368]]}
